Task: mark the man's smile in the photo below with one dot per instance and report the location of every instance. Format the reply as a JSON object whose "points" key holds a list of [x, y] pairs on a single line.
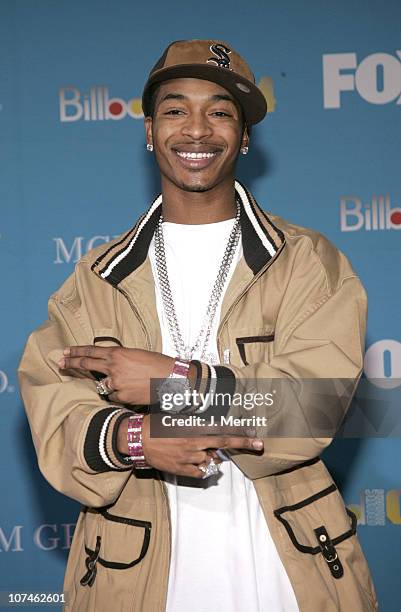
{"points": [[188, 155], [196, 158]]}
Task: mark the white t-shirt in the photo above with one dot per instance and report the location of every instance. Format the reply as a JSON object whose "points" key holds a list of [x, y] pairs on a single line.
{"points": [[223, 558]]}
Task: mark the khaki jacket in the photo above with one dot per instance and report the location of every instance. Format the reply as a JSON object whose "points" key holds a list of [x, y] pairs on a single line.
{"points": [[293, 309]]}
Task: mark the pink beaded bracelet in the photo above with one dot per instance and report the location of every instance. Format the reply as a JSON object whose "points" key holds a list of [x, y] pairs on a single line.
{"points": [[134, 439]]}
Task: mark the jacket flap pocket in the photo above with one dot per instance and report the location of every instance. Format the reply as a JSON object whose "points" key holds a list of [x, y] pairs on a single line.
{"points": [[104, 337], [122, 542], [321, 514], [243, 341]]}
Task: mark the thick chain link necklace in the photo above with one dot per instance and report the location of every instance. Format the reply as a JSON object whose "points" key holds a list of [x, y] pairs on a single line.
{"points": [[202, 340]]}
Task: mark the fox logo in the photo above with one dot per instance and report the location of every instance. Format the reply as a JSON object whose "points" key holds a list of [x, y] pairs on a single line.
{"points": [[221, 52]]}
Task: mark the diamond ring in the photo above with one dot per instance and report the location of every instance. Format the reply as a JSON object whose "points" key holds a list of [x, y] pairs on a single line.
{"points": [[211, 469], [102, 387]]}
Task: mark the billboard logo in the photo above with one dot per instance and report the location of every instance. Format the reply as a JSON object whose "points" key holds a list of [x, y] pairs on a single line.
{"points": [[377, 505], [375, 215], [79, 246], [377, 78], [96, 105], [382, 364]]}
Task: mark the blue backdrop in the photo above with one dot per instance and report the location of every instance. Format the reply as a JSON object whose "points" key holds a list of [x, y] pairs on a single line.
{"points": [[75, 172]]}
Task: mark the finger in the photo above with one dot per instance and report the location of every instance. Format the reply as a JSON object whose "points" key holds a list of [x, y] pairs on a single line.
{"points": [[97, 352], [187, 470], [194, 471], [250, 443], [113, 397], [84, 363], [197, 458], [108, 384], [212, 453], [235, 442]]}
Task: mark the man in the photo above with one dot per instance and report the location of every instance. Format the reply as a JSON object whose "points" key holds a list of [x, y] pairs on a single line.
{"points": [[209, 293]]}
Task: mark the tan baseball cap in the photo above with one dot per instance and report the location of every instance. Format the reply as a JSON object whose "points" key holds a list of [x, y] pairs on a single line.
{"points": [[211, 60]]}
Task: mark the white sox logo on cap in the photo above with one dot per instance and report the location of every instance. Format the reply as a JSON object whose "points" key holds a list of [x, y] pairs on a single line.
{"points": [[221, 52]]}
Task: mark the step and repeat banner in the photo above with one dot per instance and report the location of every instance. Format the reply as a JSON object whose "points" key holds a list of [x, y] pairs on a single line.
{"points": [[75, 172]]}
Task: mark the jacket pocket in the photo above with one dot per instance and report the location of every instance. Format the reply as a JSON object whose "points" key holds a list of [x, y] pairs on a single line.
{"points": [[113, 542], [102, 338], [252, 346], [316, 525]]}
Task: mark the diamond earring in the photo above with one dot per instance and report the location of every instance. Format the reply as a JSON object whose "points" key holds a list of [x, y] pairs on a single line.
{"points": [[149, 147], [244, 150]]}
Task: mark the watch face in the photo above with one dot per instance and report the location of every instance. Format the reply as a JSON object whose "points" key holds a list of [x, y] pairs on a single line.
{"points": [[174, 394]]}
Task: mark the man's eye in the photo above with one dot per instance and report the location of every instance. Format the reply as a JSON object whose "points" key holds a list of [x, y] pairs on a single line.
{"points": [[174, 111], [221, 114]]}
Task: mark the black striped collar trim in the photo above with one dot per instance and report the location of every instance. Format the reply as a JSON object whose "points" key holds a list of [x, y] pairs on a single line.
{"points": [[261, 239]]}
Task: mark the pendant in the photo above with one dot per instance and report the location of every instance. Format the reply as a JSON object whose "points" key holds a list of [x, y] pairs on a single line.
{"points": [[210, 358], [187, 353]]}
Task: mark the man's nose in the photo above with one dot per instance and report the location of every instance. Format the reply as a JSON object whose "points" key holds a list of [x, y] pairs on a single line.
{"points": [[197, 126]]}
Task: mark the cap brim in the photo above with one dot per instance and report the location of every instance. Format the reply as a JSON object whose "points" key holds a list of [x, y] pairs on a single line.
{"points": [[244, 91]]}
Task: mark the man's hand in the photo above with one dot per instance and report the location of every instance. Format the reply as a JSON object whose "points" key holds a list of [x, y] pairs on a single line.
{"points": [[183, 456], [128, 370]]}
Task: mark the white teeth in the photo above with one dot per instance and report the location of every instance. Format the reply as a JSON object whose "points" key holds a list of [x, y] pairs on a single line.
{"points": [[191, 155]]}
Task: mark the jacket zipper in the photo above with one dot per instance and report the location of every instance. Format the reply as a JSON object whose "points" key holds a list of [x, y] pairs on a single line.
{"points": [[229, 311]]}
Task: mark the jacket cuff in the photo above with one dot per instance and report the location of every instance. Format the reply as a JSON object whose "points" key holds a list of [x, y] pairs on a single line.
{"points": [[100, 442], [123, 461], [225, 388], [218, 384]]}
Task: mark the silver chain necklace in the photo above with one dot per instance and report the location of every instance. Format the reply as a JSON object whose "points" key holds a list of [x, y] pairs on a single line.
{"points": [[202, 340]]}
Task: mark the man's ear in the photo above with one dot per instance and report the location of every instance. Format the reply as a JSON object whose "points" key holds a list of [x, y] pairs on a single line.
{"points": [[148, 130]]}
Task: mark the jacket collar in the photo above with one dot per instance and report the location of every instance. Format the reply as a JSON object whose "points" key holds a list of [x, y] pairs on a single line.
{"points": [[261, 240]]}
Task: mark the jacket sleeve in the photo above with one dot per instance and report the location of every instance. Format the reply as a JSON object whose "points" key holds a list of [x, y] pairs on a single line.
{"points": [[72, 427], [317, 363]]}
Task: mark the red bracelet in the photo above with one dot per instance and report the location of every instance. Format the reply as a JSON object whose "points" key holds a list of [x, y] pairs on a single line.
{"points": [[134, 439]]}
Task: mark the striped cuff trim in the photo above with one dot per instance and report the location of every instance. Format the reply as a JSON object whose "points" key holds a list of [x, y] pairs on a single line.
{"points": [[102, 439], [215, 382], [96, 441], [124, 461], [225, 387], [111, 435]]}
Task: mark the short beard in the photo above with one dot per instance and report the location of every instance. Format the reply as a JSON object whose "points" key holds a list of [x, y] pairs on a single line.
{"points": [[195, 188]]}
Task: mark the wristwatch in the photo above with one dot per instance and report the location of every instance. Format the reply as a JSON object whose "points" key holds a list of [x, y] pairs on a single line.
{"points": [[174, 390]]}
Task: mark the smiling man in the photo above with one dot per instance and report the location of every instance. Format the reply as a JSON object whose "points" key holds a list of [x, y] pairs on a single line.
{"points": [[206, 293], [197, 156]]}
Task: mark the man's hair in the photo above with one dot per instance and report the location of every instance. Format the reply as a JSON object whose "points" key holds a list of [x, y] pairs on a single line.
{"points": [[152, 104], [152, 100]]}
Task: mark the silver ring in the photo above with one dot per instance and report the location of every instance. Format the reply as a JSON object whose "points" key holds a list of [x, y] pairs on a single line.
{"points": [[211, 469], [102, 387]]}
